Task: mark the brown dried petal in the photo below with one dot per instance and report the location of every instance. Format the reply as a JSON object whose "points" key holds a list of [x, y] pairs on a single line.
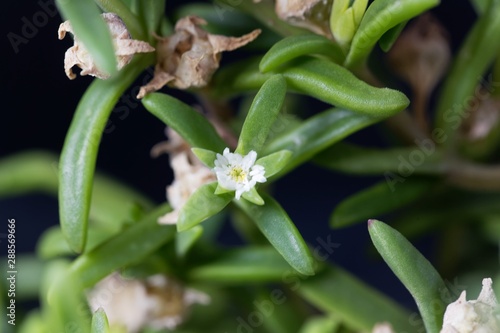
{"points": [[125, 48], [313, 15], [190, 56]]}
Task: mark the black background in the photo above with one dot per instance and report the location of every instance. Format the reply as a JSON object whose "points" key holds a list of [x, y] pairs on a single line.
{"points": [[38, 102]]}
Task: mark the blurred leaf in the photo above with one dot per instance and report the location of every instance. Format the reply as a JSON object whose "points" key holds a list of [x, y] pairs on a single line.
{"points": [[380, 17], [480, 5], [376, 200], [356, 304], [186, 239], [79, 153], [29, 269], [402, 162], [333, 84], [475, 56], [273, 163], [32, 323], [414, 271], [275, 224], [129, 247], [388, 39], [316, 134], [151, 13], [262, 114], [201, 205], [91, 30], [292, 47], [182, 118], [249, 264], [100, 322], [320, 325], [206, 156]]}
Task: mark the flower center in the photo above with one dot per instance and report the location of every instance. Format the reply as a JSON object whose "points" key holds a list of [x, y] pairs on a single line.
{"points": [[238, 174]]}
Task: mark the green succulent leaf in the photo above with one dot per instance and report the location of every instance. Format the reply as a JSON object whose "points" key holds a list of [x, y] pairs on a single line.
{"points": [[380, 17], [151, 13], [91, 30], [201, 205], [100, 322], [275, 162], [191, 125], [33, 323], [253, 196], [333, 84], [126, 248], [414, 271], [206, 156], [249, 264], [320, 325], [378, 199], [79, 153], [275, 224], [262, 114], [292, 47], [356, 304], [186, 239], [389, 38]]}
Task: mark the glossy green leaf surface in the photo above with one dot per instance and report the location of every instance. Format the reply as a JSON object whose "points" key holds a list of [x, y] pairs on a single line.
{"points": [[100, 322], [91, 30], [378, 199], [275, 224], [414, 271], [262, 114], [201, 205], [317, 133], [333, 84], [206, 156], [295, 46], [356, 304], [389, 38], [275, 162], [253, 196], [182, 118], [124, 249], [79, 153], [249, 264], [380, 17]]}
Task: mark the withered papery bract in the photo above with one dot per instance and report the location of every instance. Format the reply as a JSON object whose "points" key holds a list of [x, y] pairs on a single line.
{"points": [[190, 56], [312, 15], [125, 48]]}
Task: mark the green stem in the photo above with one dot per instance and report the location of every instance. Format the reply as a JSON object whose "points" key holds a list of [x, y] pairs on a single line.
{"points": [[133, 24], [474, 176]]}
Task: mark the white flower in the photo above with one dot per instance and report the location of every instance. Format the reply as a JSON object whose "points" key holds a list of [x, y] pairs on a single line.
{"points": [[478, 316], [238, 173]]}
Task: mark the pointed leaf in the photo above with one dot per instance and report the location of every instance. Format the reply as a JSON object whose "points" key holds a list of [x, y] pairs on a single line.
{"points": [[186, 239], [91, 30], [358, 305], [182, 118], [100, 322], [273, 163], [79, 153], [206, 156], [380, 17], [253, 196], [336, 85], [389, 38], [378, 199], [414, 271], [222, 190], [292, 47], [262, 114], [275, 224], [249, 264], [202, 204]]}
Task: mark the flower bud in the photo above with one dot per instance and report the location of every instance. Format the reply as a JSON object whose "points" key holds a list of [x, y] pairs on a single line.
{"points": [[345, 20]]}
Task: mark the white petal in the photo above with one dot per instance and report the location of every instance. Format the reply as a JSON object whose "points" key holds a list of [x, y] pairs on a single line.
{"points": [[249, 160]]}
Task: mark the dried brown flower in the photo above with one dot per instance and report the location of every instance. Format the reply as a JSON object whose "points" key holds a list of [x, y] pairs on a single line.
{"points": [[313, 15], [190, 56], [125, 48]]}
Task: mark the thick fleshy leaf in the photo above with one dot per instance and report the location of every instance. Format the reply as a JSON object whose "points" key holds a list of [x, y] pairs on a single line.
{"points": [[295, 46], [388, 39], [262, 114], [91, 30], [100, 322], [124, 249], [317, 133], [79, 153], [356, 304], [333, 84], [186, 239], [396, 164], [206, 156], [475, 56], [151, 13], [253, 196], [275, 224], [201, 205], [380, 17], [273, 163], [191, 125], [414, 271], [378, 199], [249, 264]]}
